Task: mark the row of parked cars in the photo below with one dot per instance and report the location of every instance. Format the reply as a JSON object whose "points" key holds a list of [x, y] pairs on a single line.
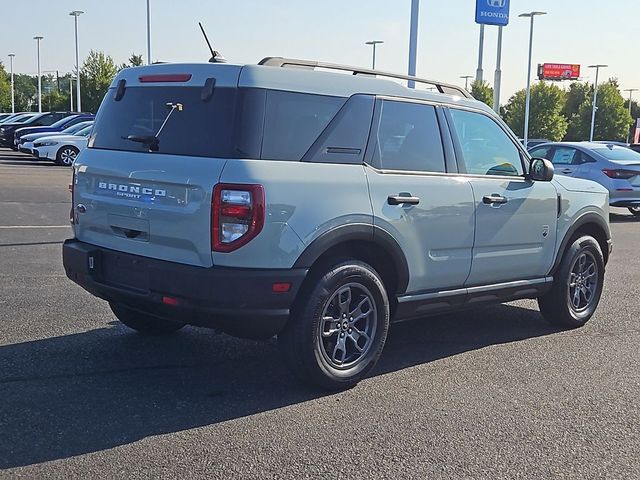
{"points": [[615, 166], [55, 136]]}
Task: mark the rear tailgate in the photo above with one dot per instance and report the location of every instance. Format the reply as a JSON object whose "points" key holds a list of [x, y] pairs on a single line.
{"points": [[153, 205]]}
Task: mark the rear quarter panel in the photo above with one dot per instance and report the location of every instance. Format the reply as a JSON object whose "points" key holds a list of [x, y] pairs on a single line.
{"points": [[303, 200]]}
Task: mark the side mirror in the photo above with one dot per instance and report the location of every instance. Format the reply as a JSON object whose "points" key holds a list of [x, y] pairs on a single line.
{"points": [[541, 170]]}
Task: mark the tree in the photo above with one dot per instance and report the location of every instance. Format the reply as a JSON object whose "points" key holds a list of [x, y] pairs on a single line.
{"points": [[135, 60], [5, 90], [545, 116], [576, 96], [482, 91], [612, 118], [96, 74]]}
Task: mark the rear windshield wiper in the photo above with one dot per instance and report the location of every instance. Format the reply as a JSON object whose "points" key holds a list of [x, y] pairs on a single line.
{"points": [[153, 141]]}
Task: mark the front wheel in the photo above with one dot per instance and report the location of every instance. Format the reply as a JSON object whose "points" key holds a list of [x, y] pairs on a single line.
{"points": [[577, 285], [67, 155], [143, 323], [635, 211], [338, 327]]}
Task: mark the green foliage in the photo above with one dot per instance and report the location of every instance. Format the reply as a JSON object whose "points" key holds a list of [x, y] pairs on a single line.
{"points": [[5, 90], [96, 74], [483, 92], [135, 60], [545, 118], [612, 118]]}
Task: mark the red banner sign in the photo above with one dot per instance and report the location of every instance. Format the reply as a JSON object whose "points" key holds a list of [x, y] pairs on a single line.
{"points": [[558, 71]]}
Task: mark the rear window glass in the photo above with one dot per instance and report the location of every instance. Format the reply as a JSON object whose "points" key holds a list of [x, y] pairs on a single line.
{"points": [[201, 128], [618, 153]]}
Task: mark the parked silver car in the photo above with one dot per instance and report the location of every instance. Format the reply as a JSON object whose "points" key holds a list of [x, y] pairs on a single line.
{"points": [[612, 166]]}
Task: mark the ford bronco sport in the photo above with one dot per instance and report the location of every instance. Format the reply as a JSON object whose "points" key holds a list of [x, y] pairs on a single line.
{"points": [[291, 199]]}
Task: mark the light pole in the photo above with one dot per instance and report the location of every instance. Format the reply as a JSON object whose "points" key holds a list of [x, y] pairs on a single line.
{"points": [[497, 82], [148, 34], [531, 15], [413, 41], [466, 81], [373, 43], [37, 39], [76, 14], [13, 98], [595, 100], [71, 93], [479, 71], [630, 90]]}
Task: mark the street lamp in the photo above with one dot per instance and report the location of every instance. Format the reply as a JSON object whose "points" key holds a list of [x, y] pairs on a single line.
{"points": [[373, 43], [76, 14], [13, 98], [595, 99], [148, 33], [531, 15], [37, 39], [630, 90], [466, 81]]}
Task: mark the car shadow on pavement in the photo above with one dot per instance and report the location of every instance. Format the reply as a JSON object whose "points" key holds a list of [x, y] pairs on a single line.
{"points": [[82, 393], [623, 218]]}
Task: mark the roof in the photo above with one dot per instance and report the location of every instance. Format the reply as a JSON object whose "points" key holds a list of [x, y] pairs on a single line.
{"points": [[302, 80]]}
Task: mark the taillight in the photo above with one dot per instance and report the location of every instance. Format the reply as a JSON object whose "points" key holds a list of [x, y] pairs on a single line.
{"points": [[165, 77], [620, 174], [237, 215], [71, 190]]}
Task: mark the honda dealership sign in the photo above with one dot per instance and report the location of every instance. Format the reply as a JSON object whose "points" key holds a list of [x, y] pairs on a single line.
{"points": [[492, 12]]}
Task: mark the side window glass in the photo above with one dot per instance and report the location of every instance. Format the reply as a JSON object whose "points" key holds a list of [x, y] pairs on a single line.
{"points": [[564, 156], [293, 122], [486, 148], [408, 138], [542, 152]]}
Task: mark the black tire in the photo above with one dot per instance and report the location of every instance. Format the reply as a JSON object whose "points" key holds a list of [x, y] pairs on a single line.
{"points": [[66, 155], [314, 357], [558, 306], [635, 211], [143, 323]]}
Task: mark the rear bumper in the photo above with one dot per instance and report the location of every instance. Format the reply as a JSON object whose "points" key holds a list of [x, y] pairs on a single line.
{"points": [[238, 301]]}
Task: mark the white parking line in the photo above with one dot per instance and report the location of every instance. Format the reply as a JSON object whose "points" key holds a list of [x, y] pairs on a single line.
{"points": [[17, 227]]}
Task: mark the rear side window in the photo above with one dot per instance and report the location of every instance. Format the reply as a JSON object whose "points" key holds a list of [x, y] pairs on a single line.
{"points": [[293, 122], [202, 128], [408, 138], [486, 148], [565, 156]]}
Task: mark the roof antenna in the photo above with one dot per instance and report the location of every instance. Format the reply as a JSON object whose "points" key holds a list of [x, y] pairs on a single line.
{"points": [[216, 57]]}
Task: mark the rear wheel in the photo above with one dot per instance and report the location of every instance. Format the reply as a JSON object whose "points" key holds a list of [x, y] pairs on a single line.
{"points": [[635, 211], [338, 328], [577, 285], [143, 323], [67, 155]]}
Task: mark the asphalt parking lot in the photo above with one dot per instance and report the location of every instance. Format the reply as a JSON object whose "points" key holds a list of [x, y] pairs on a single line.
{"points": [[489, 393]]}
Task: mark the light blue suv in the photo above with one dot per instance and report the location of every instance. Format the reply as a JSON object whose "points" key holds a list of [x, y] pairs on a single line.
{"points": [[289, 198]]}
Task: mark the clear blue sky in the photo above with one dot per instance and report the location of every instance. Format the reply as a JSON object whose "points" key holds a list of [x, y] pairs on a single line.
{"points": [[575, 31]]}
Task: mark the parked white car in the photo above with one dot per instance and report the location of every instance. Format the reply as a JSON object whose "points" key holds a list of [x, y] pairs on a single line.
{"points": [[62, 149], [27, 141]]}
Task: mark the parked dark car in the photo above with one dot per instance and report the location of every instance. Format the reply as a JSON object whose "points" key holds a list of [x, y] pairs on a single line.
{"points": [[60, 125], [7, 130]]}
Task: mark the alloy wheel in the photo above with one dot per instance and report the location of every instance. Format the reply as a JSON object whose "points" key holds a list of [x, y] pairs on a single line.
{"points": [[583, 281]]}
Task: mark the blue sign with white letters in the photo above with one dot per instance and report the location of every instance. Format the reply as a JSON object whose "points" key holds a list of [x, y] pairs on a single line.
{"points": [[492, 12]]}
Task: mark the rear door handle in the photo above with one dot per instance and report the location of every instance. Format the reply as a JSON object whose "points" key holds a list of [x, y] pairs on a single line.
{"points": [[494, 199], [400, 200], [567, 171]]}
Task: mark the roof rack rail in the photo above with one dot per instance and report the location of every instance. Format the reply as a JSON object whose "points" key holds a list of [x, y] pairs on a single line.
{"points": [[445, 88]]}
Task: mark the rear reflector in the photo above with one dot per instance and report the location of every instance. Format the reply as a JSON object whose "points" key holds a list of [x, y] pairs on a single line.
{"points": [[168, 77], [281, 287], [170, 301]]}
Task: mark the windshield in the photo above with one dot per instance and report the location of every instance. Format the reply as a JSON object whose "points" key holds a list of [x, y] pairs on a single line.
{"points": [[62, 122], [201, 128], [84, 132], [618, 153], [76, 128], [22, 118]]}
